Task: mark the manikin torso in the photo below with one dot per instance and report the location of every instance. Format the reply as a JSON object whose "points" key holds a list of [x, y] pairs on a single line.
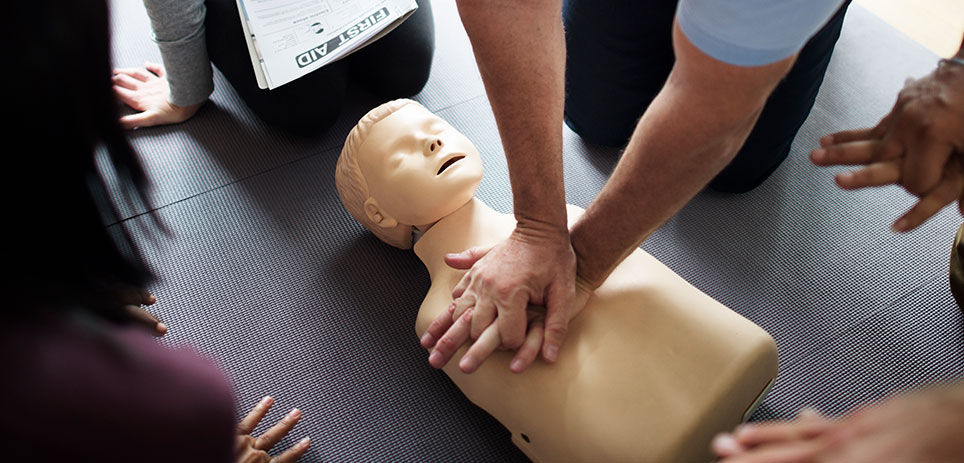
{"points": [[651, 369]]}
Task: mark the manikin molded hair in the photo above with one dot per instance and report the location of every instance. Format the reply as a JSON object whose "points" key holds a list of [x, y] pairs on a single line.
{"points": [[351, 184]]}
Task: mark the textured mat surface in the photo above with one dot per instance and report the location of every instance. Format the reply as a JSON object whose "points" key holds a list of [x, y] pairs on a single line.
{"points": [[268, 275]]}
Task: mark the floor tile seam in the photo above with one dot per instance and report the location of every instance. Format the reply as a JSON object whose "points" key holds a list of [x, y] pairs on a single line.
{"points": [[476, 97], [156, 208], [901, 298]]}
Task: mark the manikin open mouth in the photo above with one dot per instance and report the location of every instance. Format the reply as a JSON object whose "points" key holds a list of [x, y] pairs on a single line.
{"points": [[449, 162]]}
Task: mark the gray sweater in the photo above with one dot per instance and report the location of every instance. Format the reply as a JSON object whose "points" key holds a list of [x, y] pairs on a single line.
{"points": [[179, 32]]}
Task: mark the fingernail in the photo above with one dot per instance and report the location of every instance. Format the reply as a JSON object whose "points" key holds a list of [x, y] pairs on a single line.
{"points": [[826, 140], [467, 364], [742, 429], [900, 226], [304, 442], [844, 178], [434, 358], [725, 443], [552, 351], [818, 155], [161, 327], [516, 366], [427, 340], [265, 400]]}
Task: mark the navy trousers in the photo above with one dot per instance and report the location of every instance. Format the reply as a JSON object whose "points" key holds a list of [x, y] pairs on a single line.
{"points": [[395, 66], [619, 54]]}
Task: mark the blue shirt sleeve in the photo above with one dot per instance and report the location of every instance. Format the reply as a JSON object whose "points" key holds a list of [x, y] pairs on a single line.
{"points": [[752, 32]]}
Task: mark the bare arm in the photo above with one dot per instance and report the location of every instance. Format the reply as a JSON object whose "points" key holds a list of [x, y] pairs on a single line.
{"points": [[520, 50], [691, 131]]}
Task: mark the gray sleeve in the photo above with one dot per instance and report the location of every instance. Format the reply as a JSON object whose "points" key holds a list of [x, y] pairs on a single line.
{"points": [[179, 32]]}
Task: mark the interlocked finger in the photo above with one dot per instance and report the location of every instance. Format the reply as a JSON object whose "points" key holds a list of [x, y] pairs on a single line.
{"points": [[481, 349], [463, 303], [462, 285], [438, 327], [483, 314], [530, 348], [450, 342], [512, 325]]}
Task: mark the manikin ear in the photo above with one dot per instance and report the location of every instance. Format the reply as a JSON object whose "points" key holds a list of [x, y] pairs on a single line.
{"points": [[376, 216]]}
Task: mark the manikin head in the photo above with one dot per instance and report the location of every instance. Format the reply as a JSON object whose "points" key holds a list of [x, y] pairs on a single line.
{"points": [[404, 167]]}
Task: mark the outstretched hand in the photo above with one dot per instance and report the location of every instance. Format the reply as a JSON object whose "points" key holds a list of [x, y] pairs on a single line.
{"points": [[527, 269], [918, 145], [914, 427], [146, 90], [249, 449]]}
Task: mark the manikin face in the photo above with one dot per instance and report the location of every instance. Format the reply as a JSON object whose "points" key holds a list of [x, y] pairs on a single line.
{"points": [[418, 167]]}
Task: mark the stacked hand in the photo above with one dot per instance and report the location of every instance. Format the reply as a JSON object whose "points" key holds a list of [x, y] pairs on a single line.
{"points": [[917, 427], [249, 449], [146, 90], [919, 146], [493, 303]]}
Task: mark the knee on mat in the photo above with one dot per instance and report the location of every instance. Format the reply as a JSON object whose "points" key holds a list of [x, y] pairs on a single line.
{"points": [[749, 171], [736, 184], [404, 83], [306, 122], [601, 132]]}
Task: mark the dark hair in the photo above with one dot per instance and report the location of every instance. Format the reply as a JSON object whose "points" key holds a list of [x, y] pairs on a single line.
{"points": [[65, 154]]}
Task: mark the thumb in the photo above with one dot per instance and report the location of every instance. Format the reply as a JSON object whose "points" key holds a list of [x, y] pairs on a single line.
{"points": [[137, 120], [465, 259], [155, 68]]}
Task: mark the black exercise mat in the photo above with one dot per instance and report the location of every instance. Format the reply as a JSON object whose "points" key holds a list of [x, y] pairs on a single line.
{"points": [[268, 275]]}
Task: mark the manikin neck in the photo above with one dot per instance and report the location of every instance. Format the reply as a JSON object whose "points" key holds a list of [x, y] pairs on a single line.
{"points": [[452, 231]]}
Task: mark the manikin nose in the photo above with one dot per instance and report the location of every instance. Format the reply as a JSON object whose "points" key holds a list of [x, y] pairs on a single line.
{"points": [[435, 144]]}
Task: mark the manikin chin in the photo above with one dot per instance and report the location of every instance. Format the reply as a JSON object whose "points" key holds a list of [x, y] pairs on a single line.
{"points": [[651, 369]]}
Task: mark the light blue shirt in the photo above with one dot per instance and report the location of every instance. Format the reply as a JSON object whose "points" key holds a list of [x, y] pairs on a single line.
{"points": [[752, 32]]}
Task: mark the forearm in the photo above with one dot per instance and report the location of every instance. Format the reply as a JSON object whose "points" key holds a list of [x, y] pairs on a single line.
{"points": [[179, 33], [691, 130], [656, 177], [520, 50]]}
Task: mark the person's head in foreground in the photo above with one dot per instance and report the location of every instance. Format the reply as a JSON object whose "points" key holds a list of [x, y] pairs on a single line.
{"points": [[71, 158], [403, 167]]}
